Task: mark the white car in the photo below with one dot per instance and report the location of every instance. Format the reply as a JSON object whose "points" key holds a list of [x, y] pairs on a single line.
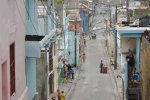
{"points": [[96, 28], [103, 12]]}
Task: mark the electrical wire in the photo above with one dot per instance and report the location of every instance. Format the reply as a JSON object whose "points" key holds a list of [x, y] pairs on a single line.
{"points": [[47, 13], [30, 18], [20, 14], [52, 19], [49, 16]]}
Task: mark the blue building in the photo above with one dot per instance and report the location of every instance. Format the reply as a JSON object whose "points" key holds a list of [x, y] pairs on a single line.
{"points": [[40, 32], [85, 15]]}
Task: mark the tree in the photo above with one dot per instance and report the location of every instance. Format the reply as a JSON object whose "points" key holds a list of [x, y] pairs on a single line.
{"points": [[59, 1]]}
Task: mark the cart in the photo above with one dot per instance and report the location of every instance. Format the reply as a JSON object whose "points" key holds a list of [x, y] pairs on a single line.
{"points": [[104, 70], [93, 36]]}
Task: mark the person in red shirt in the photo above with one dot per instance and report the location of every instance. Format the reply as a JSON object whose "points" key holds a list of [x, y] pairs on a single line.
{"points": [[58, 94]]}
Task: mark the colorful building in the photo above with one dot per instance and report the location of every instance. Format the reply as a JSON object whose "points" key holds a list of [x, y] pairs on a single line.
{"points": [[130, 39], [85, 14], [13, 80], [40, 48]]}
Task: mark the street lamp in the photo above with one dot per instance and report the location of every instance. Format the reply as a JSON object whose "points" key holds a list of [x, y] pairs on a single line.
{"points": [[118, 76]]}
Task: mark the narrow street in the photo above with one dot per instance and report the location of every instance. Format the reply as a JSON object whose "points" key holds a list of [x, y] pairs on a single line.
{"points": [[91, 84]]}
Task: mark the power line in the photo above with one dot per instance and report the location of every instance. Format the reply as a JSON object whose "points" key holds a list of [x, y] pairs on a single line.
{"points": [[52, 19], [20, 13], [47, 12], [22, 17], [30, 18]]}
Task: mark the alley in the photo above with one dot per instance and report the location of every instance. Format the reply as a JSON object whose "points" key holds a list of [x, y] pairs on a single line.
{"points": [[91, 84]]}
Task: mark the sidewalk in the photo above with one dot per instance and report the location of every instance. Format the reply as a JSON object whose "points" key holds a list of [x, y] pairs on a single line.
{"points": [[118, 80], [67, 86]]}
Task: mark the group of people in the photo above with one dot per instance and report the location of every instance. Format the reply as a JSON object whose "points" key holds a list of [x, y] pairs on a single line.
{"points": [[92, 36], [60, 95], [69, 71]]}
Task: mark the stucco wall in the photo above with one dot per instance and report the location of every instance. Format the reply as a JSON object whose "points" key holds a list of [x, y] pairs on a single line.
{"points": [[71, 47], [0, 79], [40, 75], [31, 17], [31, 76], [13, 30], [145, 68], [127, 43]]}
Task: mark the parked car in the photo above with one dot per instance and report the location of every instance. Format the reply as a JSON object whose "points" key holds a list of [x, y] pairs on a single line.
{"points": [[96, 28]]}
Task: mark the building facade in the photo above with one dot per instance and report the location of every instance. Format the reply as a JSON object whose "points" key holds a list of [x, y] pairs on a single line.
{"points": [[13, 83], [145, 62]]}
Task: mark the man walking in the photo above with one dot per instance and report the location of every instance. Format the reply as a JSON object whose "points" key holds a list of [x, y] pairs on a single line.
{"points": [[84, 42], [73, 70], [101, 66], [84, 57]]}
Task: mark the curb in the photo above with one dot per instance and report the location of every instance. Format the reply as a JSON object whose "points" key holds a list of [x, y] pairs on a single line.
{"points": [[67, 94], [113, 74]]}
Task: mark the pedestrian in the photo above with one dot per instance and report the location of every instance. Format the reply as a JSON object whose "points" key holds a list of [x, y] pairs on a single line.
{"points": [[69, 72], [69, 67], [84, 42], [58, 94], [65, 73], [84, 56], [73, 70], [131, 64], [65, 78], [101, 66], [62, 95], [94, 36], [106, 43]]}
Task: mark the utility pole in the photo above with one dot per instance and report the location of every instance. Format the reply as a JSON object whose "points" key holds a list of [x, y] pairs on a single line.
{"points": [[45, 82], [115, 21], [116, 13], [110, 14], [75, 42], [128, 13]]}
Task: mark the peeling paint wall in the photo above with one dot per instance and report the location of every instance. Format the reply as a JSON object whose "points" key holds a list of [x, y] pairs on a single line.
{"points": [[127, 43], [145, 68]]}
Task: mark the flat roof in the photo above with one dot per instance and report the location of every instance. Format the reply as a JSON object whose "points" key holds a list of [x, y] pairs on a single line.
{"points": [[129, 30]]}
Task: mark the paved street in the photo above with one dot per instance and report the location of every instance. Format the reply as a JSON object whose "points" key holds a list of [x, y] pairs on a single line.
{"points": [[91, 84]]}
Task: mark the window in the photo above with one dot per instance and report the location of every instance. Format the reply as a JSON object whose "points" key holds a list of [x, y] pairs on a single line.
{"points": [[12, 69]]}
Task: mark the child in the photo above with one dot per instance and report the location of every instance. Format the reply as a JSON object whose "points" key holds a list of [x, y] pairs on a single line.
{"points": [[62, 95]]}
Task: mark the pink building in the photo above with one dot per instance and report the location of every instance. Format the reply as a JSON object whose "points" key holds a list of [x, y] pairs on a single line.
{"points": [[12, 50]]}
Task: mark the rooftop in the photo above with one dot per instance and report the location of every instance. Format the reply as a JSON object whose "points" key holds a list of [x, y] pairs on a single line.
{"points": [[131, 31]]}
